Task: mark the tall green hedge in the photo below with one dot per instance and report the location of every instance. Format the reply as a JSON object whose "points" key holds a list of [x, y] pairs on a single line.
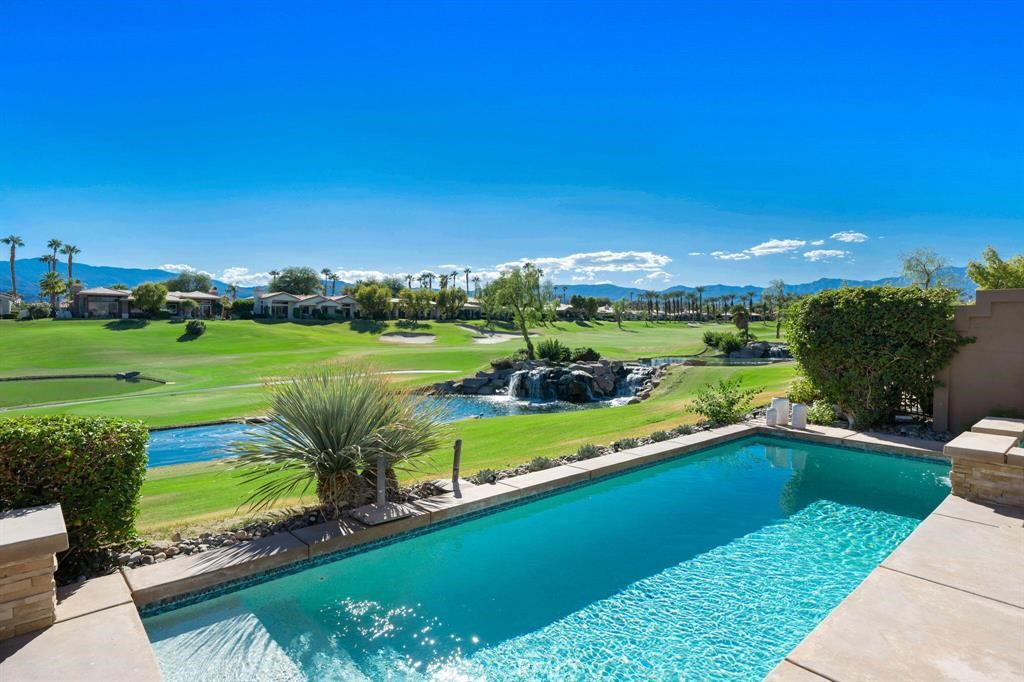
{"points": [[92, 466], [864, 349]]}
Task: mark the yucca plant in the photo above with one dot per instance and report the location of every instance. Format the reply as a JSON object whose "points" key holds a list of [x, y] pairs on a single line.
{"points": [[327, 428]]}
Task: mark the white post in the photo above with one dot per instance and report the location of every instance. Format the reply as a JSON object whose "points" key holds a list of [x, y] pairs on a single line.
{"points": [[799, 416]]}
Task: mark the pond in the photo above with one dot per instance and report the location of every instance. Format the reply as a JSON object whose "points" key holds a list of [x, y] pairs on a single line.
{"points": [[711, 360], [205, 443]]}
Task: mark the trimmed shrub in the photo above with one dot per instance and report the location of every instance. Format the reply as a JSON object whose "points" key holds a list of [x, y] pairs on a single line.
{"points": [[659, 436], [866, 350], [803, 391], [726, 342], [92, 466], [625, 444], [822, 413], [501, 363], [553, 350], [588, 451], [195, 328], [539, 464], [725, 402], [242, 308], [520, 355], [584, 355], [39, 310]]}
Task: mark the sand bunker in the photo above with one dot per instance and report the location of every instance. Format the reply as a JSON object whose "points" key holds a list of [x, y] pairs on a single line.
{"points": [[407, 337], [489, 337]]}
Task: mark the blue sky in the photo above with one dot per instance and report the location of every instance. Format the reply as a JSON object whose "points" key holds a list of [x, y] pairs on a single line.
{"points": [[648, 143]]}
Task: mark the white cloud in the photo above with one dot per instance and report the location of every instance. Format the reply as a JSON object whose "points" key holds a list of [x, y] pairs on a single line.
{"points": [[776, 246], [696, 253], [817, 242], [243, 277], [183, 267], [448, 267], [725, 255], [850, 237], [825, 254], [582, 264], [353, 275], [657, 276]]}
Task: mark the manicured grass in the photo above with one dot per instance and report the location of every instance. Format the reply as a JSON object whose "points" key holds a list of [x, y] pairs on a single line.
{"points": [[190, 496], [53, 390], [240, 353]]}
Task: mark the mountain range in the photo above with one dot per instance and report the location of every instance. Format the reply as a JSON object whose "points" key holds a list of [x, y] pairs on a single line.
{"points": [[30, 270]]}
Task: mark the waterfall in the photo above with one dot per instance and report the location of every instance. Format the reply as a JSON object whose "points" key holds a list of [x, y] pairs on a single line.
{"points": [[528, 384], [634, 381]]}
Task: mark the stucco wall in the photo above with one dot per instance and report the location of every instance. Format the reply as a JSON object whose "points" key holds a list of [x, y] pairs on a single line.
{"points": [[986, 376]]}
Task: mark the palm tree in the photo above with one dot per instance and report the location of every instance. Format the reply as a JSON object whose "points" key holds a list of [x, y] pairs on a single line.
{"points": [[52, 285], [443, 281], [453, 279], [14, 241], [335, 278], [466, 272], [54, 246], [233, 290], [700, 299], [51, 262], [273, 278], [326, 272], [328, 429], [70, 250], [476, 287], [408, 281]]}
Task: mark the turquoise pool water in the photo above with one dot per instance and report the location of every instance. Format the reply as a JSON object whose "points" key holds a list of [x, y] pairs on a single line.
{"points": [[709, 567]]}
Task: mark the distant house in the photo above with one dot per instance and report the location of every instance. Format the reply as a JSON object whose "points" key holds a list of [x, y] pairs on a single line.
{"points": [[104, 303], [7, 303], [207, 304], [101, 302], [284, 306]]}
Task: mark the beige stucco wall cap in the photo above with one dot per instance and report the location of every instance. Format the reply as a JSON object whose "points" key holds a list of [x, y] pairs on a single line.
{"points": [[32, 532]]}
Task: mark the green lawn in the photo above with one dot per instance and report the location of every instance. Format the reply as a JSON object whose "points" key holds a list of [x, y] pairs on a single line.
{"points": [[217, 376], [190, 496], [54, 390], [240, 353]]}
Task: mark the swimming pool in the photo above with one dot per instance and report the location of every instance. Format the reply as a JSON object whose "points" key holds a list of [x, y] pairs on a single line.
{"points": [[711, 566]]}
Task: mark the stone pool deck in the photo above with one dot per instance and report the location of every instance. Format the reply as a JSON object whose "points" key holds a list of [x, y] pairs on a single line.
{"points": [[99, 635]]}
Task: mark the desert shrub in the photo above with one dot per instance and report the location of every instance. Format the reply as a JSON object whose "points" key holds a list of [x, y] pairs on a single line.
{"points": [[195, 328], [803, 391], [682, 430], [729, 342], [539, 464], [39, 310], [584, 355], [588, 451], [553, 350], [726, 342], [92, 466], [659, 436], [625, 444], [821, 412], [484, 476], [724, 402], [242, 308], [867, 349]]}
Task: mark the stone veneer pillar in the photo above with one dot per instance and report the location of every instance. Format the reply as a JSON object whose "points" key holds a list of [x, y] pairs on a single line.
{"points": [[988, 464], [29, 541]]}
